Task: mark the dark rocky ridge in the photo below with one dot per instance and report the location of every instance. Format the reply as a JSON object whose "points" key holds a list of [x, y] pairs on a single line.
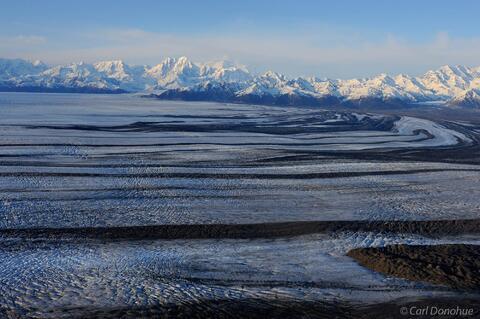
{"points": [[455, 265], [226, 94]]}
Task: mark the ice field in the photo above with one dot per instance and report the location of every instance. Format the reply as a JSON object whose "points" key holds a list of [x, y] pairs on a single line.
{"points": [[70, 161]]}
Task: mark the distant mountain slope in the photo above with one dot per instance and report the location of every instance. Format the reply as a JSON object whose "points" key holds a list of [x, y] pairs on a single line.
{"points": [[180, 78]]}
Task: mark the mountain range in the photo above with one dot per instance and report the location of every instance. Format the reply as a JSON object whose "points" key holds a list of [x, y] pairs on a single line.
{"points": [[182, 79]]}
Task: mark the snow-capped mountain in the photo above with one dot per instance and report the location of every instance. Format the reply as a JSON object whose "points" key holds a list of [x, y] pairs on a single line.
{"points": [[180, 73], [11, 68], [72, 75], [180, 78], [128, 78], [469, 98]]}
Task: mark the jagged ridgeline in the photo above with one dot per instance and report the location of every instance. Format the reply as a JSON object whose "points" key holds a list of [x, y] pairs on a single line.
{"points": [[181, 79]]}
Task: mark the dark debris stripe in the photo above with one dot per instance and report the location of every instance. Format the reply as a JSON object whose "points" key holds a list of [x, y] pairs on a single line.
{"points": [[247, 231], [421, 139], [227, 175], [133, 196], [251, 127]]}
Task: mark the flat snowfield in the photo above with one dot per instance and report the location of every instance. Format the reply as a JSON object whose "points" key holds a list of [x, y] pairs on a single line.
{"points": [[116, 202]]}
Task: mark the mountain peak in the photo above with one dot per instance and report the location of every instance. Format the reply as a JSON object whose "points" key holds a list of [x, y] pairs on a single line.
{"points": [[274, 75], [111, 62], [383, 78], [221, 64], [183, 59], [183, 62], [38, 63]]}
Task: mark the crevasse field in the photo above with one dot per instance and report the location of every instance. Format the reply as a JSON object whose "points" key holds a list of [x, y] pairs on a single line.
{"points": [[72, 163]]}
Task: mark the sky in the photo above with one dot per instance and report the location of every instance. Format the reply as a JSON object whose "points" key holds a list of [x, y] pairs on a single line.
{"points": [[334, 38]]}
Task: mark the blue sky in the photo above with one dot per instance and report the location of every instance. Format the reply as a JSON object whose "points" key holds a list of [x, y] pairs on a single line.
{"points": [[323, 38]]}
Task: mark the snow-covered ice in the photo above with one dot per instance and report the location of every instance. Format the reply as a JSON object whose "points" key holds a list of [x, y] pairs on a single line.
{"points": [[102, 160]]}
